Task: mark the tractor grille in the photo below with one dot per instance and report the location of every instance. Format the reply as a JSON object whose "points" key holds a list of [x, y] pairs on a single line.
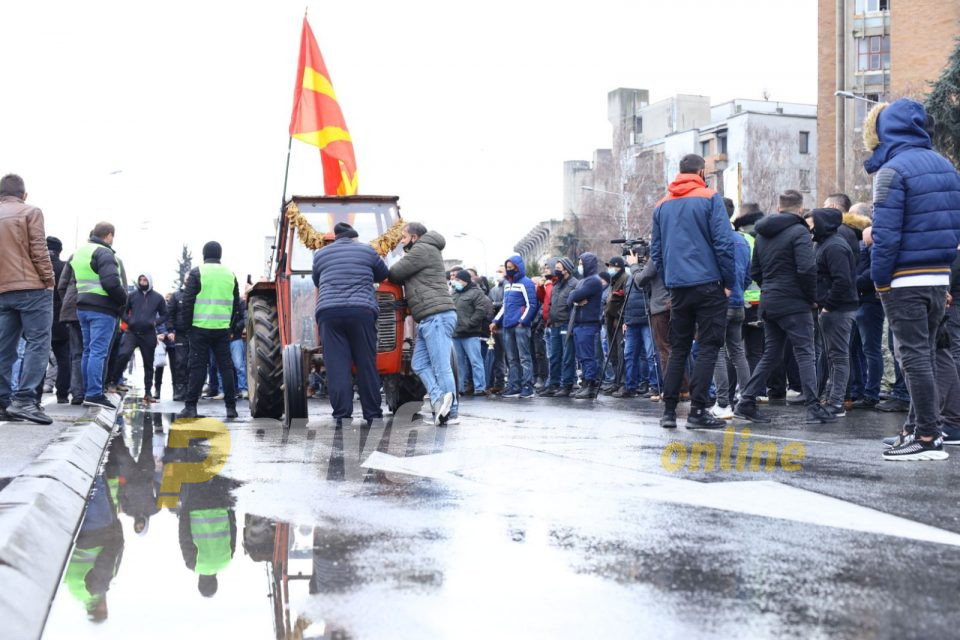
{"points": [[386, 323]]}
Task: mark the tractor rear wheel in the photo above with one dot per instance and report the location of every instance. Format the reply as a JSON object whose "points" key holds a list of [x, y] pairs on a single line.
{"points": [[294, 385], [264, 364], [399, 389]]}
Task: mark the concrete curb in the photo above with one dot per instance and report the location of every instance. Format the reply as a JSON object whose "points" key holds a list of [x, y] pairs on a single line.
{"points": [[40, 513]]}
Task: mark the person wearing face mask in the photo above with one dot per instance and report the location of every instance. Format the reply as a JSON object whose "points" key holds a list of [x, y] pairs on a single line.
{"points": [[616, 269], [496, 371], [424, 278], [471, 307], [515, 319], [585, 303], [145, 315], [563, 364]]}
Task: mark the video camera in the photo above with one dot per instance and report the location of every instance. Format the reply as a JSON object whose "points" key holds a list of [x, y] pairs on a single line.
{"points": [[637, 246]]}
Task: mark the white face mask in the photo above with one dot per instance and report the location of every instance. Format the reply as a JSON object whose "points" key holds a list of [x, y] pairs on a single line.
{"points": [[580, 270], [498, 277]]}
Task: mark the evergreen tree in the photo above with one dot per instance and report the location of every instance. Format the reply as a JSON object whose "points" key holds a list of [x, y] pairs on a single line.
{"points": [[943, 104], [184, 265]]}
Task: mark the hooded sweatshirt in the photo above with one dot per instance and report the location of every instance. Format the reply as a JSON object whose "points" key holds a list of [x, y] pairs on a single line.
{"points": [[146, 311], [692, 242], [590, 291], [784, 265], [560, 296], [836, 263], [916, 200], [519, 298]]}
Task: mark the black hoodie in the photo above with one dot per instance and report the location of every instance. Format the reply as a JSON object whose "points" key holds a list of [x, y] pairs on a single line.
{"points": [[836, 263], [784, 265]]}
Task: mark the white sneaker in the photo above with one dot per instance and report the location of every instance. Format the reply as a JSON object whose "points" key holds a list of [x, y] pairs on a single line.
{"points": [[443, 409], [723, 413], [793, 394], [762, 399]]}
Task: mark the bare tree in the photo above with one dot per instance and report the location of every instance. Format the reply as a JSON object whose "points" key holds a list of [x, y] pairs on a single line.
{"points": [[769, 153]]}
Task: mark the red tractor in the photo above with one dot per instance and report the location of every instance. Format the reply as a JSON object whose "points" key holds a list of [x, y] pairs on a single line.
{"points": [[283, 345]]}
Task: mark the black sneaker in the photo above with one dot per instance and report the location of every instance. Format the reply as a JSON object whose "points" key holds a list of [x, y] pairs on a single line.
{"points": [[835, 411], [865, 403], [668, 420], [701, 419], [587, 392], [511, 393], [232, 413], [748, 411], [563, 392], [29, 411], [98, 401], [897, 440], [549, 392], [76, 401], [6, 417], [643, 389], [951, 434], [916, 450], [818, 414], [189, 411], [893, 405], [623, 392], [653, 391]]}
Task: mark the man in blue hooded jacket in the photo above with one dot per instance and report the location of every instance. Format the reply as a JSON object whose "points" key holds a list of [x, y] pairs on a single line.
{"points": [[587, 309], [916, 229], [515, 317]]}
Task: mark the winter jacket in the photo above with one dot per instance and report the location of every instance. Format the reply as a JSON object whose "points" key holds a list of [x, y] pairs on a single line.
{"points": [[519, 299], [692, 240], [545, 296], [496, 296], [24, 258], [176, 317], [192, 288], [106, 264], [67, 291], [659, 299], [741, 255], [836, 264], [59, 332], [635, 311], [344, 273], [424, 278], [616, 297], [916, 199], [560, 298], [784, 265], [146, 311], [471, 307], [589, 291], [865, 288]]}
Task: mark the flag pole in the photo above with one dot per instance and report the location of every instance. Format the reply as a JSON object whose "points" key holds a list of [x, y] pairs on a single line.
{"points": [[286, 173]]}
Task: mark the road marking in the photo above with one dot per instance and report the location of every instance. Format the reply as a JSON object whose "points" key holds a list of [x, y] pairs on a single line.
{"points": [[763, 435]]}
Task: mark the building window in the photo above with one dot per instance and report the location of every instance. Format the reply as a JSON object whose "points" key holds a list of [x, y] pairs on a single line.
{"points": [[872, 6], [805, 180], [873, 53], [722, 144], [705, 148], [638, 124], [804, 142]]}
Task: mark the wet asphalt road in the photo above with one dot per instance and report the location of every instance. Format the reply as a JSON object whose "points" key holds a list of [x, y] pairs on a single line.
{"points": [[545, 518]]}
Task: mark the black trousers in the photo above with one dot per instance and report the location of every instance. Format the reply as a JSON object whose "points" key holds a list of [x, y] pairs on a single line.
{"points": [[348, 341], [699, 311], [614, 348], [147, 343], [61, 351], [76, 359], [180, 365], [798, 329], [202, 342]]}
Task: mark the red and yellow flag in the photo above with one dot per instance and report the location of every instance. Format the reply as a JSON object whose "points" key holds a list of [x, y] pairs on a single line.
{"points": [[317, 119]]}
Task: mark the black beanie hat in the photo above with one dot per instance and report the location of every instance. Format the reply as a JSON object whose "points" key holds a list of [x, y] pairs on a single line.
{"points": [[747, 219], [212, 250], [54, 244], [464, 275], [344, 230]]}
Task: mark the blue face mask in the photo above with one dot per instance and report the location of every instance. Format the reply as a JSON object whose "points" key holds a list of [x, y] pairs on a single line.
{"points": [[458, 285], [612, 271]]}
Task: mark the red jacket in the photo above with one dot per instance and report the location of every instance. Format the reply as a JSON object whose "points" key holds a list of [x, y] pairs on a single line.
{"points": [[544, 294]]}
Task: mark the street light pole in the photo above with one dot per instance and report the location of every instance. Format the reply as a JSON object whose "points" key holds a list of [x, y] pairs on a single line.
{"points": [[850, 95]]}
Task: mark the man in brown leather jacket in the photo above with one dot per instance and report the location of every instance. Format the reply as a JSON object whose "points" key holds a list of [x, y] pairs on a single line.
{"points": [[26, 301]]}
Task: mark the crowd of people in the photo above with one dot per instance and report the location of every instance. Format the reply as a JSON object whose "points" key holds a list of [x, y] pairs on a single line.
{"points": [[81, 317], [720, 308]]}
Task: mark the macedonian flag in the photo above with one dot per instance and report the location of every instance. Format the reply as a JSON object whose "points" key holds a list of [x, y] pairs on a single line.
{"points": [[317, 118]]}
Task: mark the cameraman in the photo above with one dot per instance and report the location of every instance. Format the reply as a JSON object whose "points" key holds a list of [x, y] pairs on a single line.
{"points": [[638, 339], [612, 316]]}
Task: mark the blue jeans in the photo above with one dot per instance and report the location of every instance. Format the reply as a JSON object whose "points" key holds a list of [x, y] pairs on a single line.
{"points": [[26, 314], [584, 340], [431, 354], [858, 363], [98, 329], [516, 344], [638, 354], [469, 359], [870, 326], [563, 362], [17, 365], [238, 353]]}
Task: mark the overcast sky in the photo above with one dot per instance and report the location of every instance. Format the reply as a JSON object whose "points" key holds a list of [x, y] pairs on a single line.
{"points": [[170, 119]]}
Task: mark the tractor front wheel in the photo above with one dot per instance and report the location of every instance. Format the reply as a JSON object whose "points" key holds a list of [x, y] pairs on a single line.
{"points": [[264, 365], [294, 385]]}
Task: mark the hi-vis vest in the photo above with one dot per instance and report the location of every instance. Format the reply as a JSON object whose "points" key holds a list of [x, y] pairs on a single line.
{"points": [[210, 530], [752, 294], [81, 563], [88, 280], [214, 306]]}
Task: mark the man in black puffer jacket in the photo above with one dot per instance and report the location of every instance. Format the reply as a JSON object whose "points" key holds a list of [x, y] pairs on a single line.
{"points": [[563, 363], [344, 273], [146, 316], [837, 299], [785, 268]]}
